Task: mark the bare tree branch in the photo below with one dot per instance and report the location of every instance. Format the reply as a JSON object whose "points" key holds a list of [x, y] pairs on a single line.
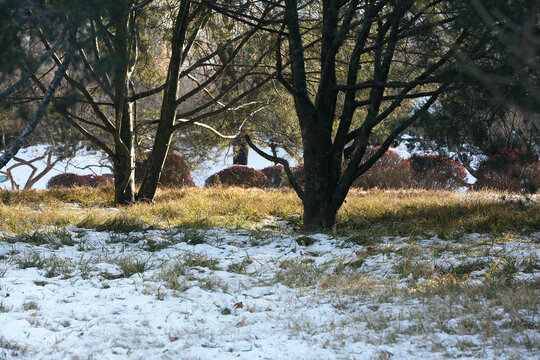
{"points": [[281, 161]]}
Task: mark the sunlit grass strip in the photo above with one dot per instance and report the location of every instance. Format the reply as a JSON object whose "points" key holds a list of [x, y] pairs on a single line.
{"points": [[374, 213]]}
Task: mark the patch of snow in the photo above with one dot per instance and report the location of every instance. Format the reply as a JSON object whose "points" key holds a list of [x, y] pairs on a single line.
{"points": [[239, 307]]}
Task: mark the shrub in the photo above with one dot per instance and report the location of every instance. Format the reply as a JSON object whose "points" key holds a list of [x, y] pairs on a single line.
{"points": [[391, 171], [175, 170], [438, 172], [276, 175], [298, 173], [509, 169], [238, 175], [98, 180], [67, 180]]}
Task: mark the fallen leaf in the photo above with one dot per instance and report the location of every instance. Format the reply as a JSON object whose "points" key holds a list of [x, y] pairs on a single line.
{"points": [[238, 305], [172, 338]]}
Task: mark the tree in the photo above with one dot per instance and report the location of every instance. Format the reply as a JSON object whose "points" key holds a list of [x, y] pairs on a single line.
{"points": [[371, 57], [211, 64], [77, 35]]}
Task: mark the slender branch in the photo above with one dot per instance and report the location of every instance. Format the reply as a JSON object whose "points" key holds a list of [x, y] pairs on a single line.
{"points": [[147, 93], [281, 161], [38, 115], [33, 70]]}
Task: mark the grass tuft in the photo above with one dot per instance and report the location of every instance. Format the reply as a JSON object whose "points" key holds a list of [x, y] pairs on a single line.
{"points": [[131, 265], [123, 224], [296, 273]]}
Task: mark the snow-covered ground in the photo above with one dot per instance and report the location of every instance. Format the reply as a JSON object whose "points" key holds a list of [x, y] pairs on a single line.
{"points": [[219, 294]]}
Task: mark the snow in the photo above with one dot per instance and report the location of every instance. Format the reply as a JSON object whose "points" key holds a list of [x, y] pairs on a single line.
{"points": [[91, 310]]}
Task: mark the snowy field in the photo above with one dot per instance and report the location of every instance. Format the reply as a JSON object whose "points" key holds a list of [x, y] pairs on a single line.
{"points": [[72, 293]]}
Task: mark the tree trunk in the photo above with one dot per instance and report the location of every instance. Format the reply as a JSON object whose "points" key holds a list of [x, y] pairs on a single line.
{"points": [[124, 186], [124, 160], [240, 152], [167, 118], [160, 150], [319, 210]]}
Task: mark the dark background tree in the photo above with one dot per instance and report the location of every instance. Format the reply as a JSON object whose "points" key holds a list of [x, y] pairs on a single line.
{"points": [[24, 58], [495, 105]]}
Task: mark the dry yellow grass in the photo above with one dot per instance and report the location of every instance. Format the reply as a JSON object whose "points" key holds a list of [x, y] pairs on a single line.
{"points": [[371, 214]]}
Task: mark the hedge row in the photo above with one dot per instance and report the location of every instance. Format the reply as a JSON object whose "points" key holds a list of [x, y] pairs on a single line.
{"points": [[508, 170], [175, 174]]}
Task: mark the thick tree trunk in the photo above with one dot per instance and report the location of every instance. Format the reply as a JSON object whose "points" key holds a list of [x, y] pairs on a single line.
{"points": [[124, 162], [124, 185], [160, 150], [319, 210]]}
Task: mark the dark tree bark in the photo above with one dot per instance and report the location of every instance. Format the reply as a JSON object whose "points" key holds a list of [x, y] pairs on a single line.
{"points": [[240, 151], [124, 144], [167, 119]]}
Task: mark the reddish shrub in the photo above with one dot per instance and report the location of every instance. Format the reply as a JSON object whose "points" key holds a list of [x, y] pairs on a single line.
{"points": [[276, 175], [438, 172], [298, 173], [67, 180], [391, 171], [510, 169], [175, 170], [238, 175], [98, 180]]}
